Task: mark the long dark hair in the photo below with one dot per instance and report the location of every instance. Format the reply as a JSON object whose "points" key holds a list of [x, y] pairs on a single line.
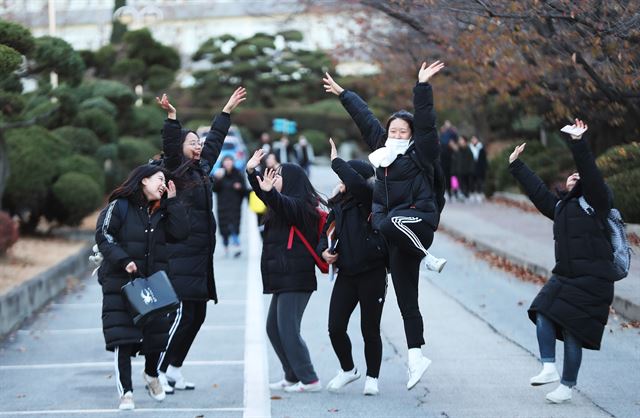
{"points": [[131, 188], [295, 183]]}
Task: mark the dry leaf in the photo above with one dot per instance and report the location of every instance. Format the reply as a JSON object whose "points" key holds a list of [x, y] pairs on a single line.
{"points": [[276, 398]]}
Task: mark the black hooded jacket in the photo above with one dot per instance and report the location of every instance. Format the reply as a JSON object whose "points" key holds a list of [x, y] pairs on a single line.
{"points": [[229, 199], [579, 294], [134, 235], [287, 269], [403, 184], [191, 260], [360, 249]]}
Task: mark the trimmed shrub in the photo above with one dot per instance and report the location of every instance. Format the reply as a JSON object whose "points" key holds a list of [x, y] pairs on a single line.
{"points": [[142, 121], [75, 195], [33, 156], [8, 232], [11, 103], [81, 140], [55, 54], [160, 77], [619, 159], [99, 122], [83, 165], [133, 152], [10, 60], [117, 93], [16, 36], [319, 140], [100, 103], [626, 194]]}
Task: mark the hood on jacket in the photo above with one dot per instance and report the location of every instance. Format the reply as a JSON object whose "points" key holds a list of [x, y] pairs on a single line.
{"points": [[293, 180], [362, 167]]}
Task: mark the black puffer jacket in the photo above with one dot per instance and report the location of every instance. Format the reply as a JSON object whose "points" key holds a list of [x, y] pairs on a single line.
{"points": [[403, 184], [135, 236], [229, 199], [286, 269], [191, 260], [578, 296], [359, 248]]}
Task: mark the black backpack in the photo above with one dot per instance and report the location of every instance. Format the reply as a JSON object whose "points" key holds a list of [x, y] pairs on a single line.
{"points": [[435, 177]]}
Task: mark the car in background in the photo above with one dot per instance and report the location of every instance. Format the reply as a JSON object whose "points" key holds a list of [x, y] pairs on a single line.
{"points": [[233, 146]]}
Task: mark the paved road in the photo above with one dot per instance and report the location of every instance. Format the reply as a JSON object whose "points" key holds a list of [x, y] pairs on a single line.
{"points": [[481, 343]]}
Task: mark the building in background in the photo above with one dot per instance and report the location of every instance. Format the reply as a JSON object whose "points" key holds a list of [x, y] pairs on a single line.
{"points": [[186, 24]]}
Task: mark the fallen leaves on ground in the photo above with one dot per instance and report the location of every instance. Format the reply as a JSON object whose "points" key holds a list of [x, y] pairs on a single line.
{"points": [[276, 398]]}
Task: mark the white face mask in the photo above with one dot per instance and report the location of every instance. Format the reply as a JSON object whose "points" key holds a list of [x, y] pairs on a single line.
{"points": [[397, 145], [384, 156]]}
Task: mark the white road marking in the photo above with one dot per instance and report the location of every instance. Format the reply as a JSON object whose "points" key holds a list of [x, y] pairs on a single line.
{"points": [[109, 364]]}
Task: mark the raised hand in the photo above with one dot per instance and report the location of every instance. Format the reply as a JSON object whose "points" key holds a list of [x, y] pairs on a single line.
{"points": [[238, 96], [581, 127], [334, 151], [171, 189], [330, 86], [254, 161], [425, 73], [266, 184], [516, 152], [164, 104]]}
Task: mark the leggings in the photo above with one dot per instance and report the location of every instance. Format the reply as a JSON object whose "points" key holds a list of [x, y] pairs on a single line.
{"points": [[123, 354], [369, 289], [283, 328], [189, 318], [408, 236], [546, 332]]}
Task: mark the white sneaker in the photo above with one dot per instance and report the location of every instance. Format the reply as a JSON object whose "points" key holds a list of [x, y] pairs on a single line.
{"points": [[434, 263], [301, 387], [154, 387], [342, 379], [168, 389], [126, 401], [281, 384], [175, 379], [370, 386], [560, 395], [548, 374], [418, 364]]}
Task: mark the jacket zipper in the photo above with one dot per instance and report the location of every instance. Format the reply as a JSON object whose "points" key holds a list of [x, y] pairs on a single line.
{"points": [[386, 188]]}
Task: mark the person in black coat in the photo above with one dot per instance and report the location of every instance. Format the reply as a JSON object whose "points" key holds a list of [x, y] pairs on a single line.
{"points": [[191, 261], [229, 185], [466, 165], [404, 205], [479, 168], [360, 258], [288, 266], [131, 233], [573, 305]]}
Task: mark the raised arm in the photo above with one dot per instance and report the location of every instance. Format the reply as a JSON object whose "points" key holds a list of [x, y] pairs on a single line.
{"points": [[220, 127], [288, 208], [171, 132], [425, 133], [107, 227], [535, 188], [369, 126], [594, 189]]}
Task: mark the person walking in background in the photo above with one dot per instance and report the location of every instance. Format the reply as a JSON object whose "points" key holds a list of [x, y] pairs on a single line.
{"points": [[406, 208], [360, 257], [304, 153], [287, 266], [454, 181], [465, 166], [285, 151], [573, 306], [267, 147], [131, 233], [448, 133], [191, 260], [479, 169], [229, 185]]}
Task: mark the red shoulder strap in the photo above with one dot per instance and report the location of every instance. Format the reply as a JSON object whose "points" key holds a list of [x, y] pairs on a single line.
{"points": [[322, 265]]}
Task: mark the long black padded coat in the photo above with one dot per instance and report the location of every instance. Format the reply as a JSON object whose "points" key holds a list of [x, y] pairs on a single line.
{"points": [[139, 237], [403, 184], [229, 200], [360, 249], [578, 295], [286, 269], [191, 260]]}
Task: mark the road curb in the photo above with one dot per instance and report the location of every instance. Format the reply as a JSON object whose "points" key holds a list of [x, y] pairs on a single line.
{"points": [[622, 306], [21, 302]]}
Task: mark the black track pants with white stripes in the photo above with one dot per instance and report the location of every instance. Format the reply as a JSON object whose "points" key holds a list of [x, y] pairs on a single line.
{"points": [[408, 237], [188, 320], [123, 354]]}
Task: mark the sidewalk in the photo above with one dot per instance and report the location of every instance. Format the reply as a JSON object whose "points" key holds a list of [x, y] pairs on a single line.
{"points": [[526, 239]]}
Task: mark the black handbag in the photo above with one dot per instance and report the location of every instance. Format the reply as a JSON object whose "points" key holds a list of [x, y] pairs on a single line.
{"points": [[150, 297]]}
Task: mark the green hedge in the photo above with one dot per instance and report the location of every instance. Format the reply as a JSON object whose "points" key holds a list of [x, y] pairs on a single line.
{"points": [[619, 159], [99, 122], [626, 194], [83, 165], [81, 140], [76, 195]]}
